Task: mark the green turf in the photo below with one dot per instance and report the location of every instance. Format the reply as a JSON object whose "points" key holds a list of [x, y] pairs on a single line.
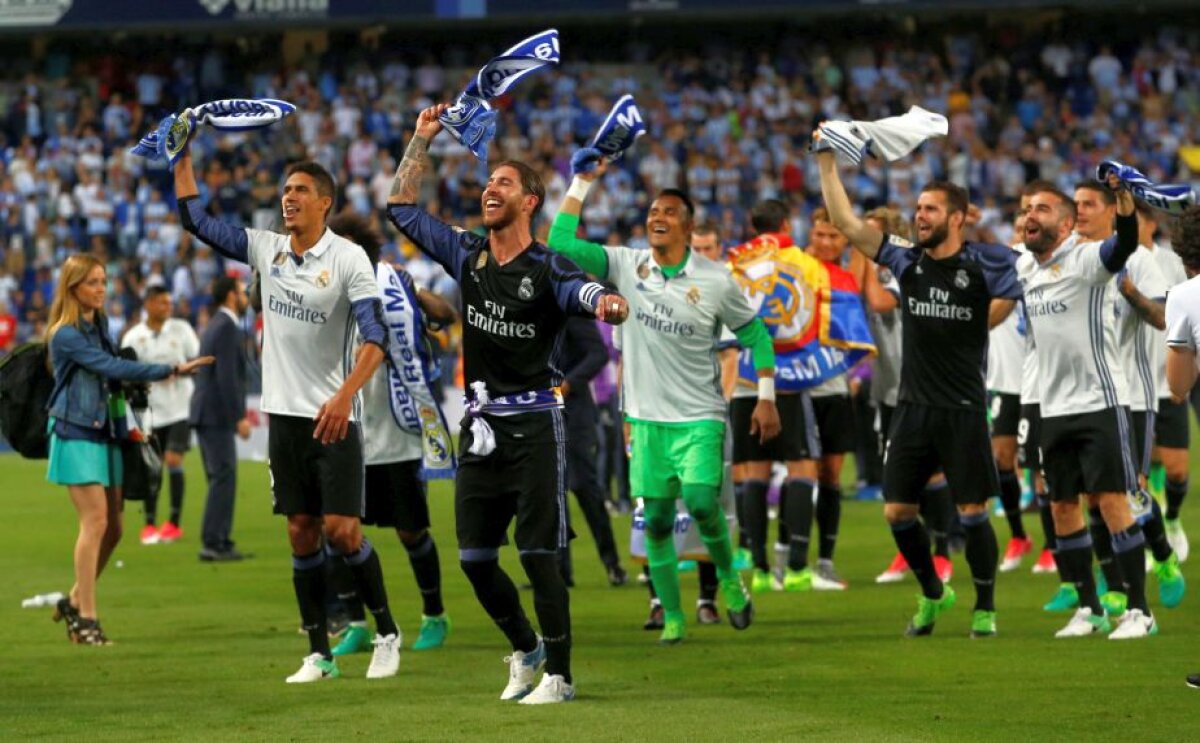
{"points": [[201, 651]]}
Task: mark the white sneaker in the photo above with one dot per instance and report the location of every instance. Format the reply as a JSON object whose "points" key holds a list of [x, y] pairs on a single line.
{"points": [[315, 668], [1083, 623], [385, 659], [825, 578], [552, 690], [523, 668], [1134, 625], [1177, 539]]}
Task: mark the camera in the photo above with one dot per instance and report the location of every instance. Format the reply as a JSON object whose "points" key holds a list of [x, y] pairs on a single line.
{"points": [[137, 394]]}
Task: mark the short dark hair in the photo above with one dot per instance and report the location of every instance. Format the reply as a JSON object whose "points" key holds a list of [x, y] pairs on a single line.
{"points": [[531, 183], [1036, 186], [325, 183], [956, 196], [768, 215], [155, 290], [682, 196], [1145, 211], [356, 228], [1186, 242], [1108, 197], [222, 287], [707, 227], [1066, 203]]}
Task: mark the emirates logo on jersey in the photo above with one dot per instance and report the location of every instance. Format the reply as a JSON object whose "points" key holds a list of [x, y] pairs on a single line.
{"points": [[525, 290], [961, 280]]}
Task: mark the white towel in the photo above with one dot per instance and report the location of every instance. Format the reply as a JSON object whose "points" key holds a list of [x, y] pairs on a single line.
{"points": [[888, 139]]}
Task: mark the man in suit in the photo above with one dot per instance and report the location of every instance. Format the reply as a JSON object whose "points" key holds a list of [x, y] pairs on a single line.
{"points": [[218, 412], [584, 355]]}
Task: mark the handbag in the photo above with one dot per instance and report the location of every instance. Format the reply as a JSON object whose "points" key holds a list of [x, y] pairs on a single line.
{"points": [[142, 462]]}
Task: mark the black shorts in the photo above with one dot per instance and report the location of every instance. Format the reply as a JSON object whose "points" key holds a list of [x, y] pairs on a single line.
{"points": [[525, 478], [1088, 453], [835, 423], [923, 438], [1029, 455], [1171, 425], [309, 477], [1141, 439], [797, 439], [1006, 413], [396, 496], [176, 437]]}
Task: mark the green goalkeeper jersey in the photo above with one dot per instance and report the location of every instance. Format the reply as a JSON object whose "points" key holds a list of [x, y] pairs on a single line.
{"points": [[670, 372]]}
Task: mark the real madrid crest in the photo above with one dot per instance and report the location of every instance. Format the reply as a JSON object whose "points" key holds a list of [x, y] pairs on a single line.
{"points": [[322, 279], [280, 257], [960, 279], [643, 270], [525, 290], [481, 261], [693, 295]]}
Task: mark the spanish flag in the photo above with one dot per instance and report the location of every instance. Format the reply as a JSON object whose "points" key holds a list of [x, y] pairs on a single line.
{"points": [[811, 309]]}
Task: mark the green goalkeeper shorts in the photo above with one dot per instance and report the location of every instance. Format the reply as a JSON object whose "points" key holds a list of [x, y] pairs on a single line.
{"points": [[664, 456]]}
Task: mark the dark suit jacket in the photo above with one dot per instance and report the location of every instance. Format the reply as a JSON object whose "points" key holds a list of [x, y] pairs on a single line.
{"points": [[584, 356], [220, 396]]}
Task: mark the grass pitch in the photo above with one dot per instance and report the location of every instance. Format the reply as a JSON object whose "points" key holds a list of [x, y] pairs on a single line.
{"points": [[201, 650]]}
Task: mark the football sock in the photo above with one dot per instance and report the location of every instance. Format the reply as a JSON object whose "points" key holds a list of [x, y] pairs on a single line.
{"points": [[341, 580], [754, 507], [649, 582], [368, 574], [150, 506], [798, 494], [703, 503], [1074, 559], [1010, 498], [739, 505], [1047, 517], [498, 597], [1130, 549], [1158, 478], [552, 604], [829, 515], [1102, 545], [706, 573], [423, 556], [660, 551], [982, 554], [1176, 492], [1156, 533], [936, 510], [308, 578], [176, 485], [913, 542]]}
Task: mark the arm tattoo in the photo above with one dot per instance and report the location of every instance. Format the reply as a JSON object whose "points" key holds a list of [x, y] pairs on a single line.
{"points": [[1152, 313], [408, 174]]}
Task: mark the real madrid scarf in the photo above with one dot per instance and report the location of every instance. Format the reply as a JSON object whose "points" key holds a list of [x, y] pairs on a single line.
{"points": [[1173, 199], [172, 134], [471, 119], [410, 373], [620, 130]]}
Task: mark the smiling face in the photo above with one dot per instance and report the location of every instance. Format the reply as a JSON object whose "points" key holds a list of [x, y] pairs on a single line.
{"points": [[158, 307], [505, 200], [933, 222], [1047, 223], [668, 222], [91, 291], [304, 208], [1093, 217], [828, 243]]}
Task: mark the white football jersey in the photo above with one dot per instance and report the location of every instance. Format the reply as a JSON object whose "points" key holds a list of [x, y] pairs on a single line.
{"points": [[1156, 340], [1006, 355], [1183, 315], [308, 325], [174, 344], [1133, 333], [1068, 304]]}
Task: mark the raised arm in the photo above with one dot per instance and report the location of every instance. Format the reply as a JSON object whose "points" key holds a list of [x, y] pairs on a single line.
{"points": [[860, 234], [587, 165], [1116, 250], [226, 239], [407, 184]]}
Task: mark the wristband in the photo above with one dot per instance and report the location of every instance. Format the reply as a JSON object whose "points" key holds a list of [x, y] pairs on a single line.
{"points": [[766, 389], [579, 189]]}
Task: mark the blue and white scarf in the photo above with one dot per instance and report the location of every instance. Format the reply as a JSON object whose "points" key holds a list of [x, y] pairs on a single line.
{"points": [[479, 403], [1173, 199], [167, 140], [620, 130], [411, 371], [471, 119]]}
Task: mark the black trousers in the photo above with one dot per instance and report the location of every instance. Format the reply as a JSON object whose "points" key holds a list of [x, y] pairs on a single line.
{"points": [[583, 478]]}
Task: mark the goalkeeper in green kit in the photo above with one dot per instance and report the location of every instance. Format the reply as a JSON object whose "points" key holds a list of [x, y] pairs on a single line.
{"points": [[678, 303]]}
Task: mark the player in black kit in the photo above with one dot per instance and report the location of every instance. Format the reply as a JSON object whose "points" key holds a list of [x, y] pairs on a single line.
{"points": [[516, 297], [953, 291]]}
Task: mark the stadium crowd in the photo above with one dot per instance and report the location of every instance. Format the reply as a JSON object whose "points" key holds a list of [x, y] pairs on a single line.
{"points": [[727, 121]]}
